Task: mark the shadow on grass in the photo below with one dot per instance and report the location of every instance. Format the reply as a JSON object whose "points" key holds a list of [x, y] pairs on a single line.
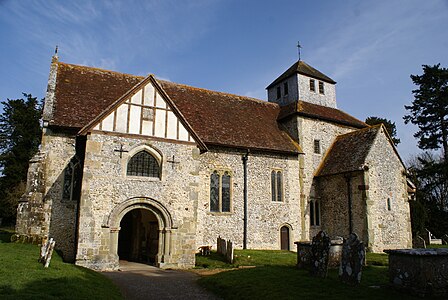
{"points": [[214, 260], [287, 282], [5, 235]]}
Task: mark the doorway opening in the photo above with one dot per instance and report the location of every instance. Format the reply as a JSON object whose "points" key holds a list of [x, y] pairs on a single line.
{"points": [[284, 238], [138, 240]]}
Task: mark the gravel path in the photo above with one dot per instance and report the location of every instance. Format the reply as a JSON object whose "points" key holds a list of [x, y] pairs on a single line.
{"points": [[139, 281]]}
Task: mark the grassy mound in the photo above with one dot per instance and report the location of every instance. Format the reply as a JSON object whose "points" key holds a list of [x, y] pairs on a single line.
{"points": [[23, 277]]}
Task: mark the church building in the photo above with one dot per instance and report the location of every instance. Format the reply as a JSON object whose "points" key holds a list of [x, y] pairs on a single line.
{"points": [[142, 169]]}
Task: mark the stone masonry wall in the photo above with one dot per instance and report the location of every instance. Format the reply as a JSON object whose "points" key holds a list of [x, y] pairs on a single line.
{"points": [[333, 191], [265, 217], [43, 213], [326, 99], [59, 149], [106, 186], [325, 132], [388, 229], [293, 93]]}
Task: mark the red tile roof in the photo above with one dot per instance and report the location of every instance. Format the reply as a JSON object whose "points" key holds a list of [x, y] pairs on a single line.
{"points": [[219, 119], [84, 92], [230, 120], [348, 152], [320, 112]]}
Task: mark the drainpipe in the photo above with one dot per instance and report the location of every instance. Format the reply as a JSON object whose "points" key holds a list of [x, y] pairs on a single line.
{"points": [[349, 195], [244, 158]]}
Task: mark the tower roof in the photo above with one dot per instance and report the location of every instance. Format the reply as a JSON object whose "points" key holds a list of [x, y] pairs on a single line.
{"points": [[303, 68]]}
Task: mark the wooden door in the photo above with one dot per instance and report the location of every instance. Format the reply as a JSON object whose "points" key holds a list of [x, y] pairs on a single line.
{"points": [[284, 238]]}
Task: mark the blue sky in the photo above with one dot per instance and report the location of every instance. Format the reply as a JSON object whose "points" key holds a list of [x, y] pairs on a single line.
{"points": [[369, 47]]}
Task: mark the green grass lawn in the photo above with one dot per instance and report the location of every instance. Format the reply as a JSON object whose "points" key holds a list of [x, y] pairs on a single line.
{"points": [[22, 277], [276, 277]]}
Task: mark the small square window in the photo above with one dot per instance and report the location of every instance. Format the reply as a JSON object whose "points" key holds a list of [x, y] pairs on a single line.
{"points": [[321, 87], [148, 114], [285, 88], [279, 92], [312, 85], [317, 146]]}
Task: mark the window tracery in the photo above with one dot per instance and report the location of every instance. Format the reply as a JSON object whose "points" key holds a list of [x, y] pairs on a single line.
{"points": [[220, 191], [143, 164]]}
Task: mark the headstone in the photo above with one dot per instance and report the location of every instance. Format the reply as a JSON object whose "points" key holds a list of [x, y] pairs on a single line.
{"points": [[229, 254], [320, 250], [49, 253], [418, 242], [353, 255], [445, 239], [303, 255], [46, 251], [335, 252], [427, 237], [43, 249]]}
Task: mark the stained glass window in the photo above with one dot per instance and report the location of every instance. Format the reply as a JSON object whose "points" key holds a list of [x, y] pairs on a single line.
{"points": [[214, 192], [226, 192], [143, 164]]}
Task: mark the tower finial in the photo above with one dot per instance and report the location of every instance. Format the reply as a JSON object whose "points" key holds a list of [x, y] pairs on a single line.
{"points": [[298, 48], [55, 57]]}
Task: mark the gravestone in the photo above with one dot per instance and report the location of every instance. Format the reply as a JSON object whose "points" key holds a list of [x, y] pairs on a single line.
{"points": [[445, 239], [320, 252], [353, 255], [418, 242], [427, 237], [46, 251]]}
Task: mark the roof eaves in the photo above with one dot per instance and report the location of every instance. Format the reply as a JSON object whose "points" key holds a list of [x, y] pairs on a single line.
{"points": [[287, 152]]}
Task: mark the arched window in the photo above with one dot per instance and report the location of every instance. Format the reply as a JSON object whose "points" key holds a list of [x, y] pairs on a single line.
{"points": [[220, 194], [143, 164], [72, 173]]}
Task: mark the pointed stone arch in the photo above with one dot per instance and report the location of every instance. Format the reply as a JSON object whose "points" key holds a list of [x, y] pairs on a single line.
{"points": [[165, 223]]}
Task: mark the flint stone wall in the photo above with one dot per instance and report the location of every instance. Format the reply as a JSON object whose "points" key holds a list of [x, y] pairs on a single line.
{"points": [[265, 217], [326, 99], [388, 229], [305, 131], [335, 208], [42, 212]]}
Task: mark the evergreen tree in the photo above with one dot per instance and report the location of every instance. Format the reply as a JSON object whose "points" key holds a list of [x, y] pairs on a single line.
{"points": [[429, 110], [20, 134], [390, 127]]}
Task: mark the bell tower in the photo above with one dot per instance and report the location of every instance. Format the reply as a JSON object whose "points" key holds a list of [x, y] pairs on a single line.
{"points": [[305, 83]]}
